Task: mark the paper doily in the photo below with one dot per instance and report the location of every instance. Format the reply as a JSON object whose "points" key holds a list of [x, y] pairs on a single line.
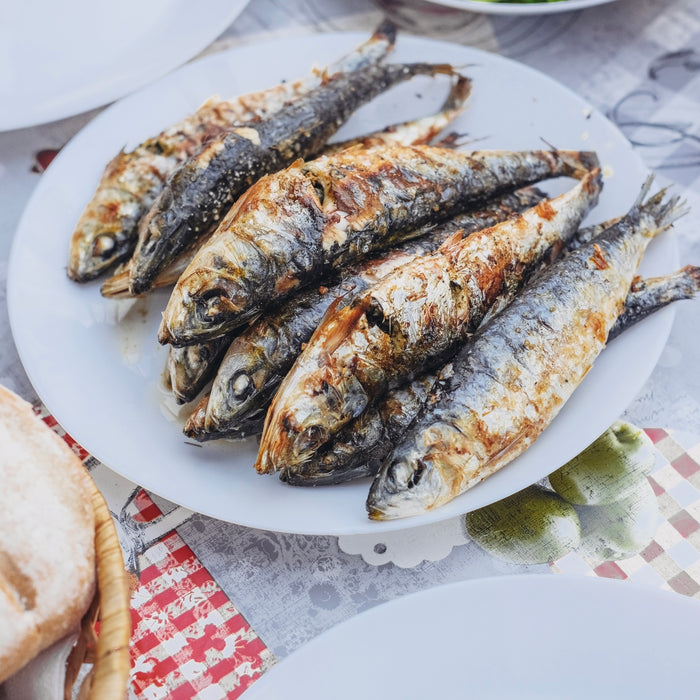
{"points": [[407, 548]]}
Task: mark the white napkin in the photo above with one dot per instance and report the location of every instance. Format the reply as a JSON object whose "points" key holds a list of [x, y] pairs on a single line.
{"points": [[43, 678]]}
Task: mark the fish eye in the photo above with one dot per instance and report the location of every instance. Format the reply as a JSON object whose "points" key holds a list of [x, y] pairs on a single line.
{"points": [[376, 317], [207, 305], [103, 245], [320, 191], [416, 475], [240, 386]]}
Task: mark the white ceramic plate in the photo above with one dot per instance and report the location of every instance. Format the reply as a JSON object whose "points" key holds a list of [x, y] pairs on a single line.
{"points": [[62, 58], [96, 363], [517, 8], [526, 637]]}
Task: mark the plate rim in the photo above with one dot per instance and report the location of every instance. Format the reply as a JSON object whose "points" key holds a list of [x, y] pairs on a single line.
{"points": [[85, 134], [512, 8]]}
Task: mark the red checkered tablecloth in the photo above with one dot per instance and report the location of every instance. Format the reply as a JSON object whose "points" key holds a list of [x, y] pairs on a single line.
{"points": [[188, 639], [672, 560]]}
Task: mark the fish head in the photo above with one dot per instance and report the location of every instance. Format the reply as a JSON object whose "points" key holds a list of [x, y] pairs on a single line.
{"points": [[211, 298], [422, 473], [243, 384], [406, 485], [301, 421], [96, 246]]}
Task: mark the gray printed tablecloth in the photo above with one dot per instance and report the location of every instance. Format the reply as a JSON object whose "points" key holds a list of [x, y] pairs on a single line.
{"points": [[215, 604]]}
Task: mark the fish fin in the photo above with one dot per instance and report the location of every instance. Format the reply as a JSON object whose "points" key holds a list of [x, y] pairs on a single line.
{"points": [[664, 213], [194, 425], [386, 31], [333, 328], [117, 286], [458, 95], [452, 244]]}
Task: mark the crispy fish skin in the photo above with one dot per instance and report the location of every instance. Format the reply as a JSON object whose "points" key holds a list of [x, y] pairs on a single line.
{"points": [[191, 367], [361, 446], [292, 227], [258, 358], [518, 371], [106, 232], [200, 192], [410, 321], [417, 131]]}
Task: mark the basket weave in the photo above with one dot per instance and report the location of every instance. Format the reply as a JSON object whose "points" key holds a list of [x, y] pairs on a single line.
{"points": [[108, 651]]}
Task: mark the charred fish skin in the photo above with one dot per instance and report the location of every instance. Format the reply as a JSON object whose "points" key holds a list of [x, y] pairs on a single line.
{"points": [[200, 192], [361, 446], [518, 371], [107, 232], [259, 358], [413, 132], [409, 322], [290, 228], [191, 367]]}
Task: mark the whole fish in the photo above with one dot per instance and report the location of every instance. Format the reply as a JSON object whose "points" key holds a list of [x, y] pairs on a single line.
{"points": [[409, 321], [107, 230], [201, 191], [417, 131], [518, 370], [359, 449], [260, 356], [295, 226]]}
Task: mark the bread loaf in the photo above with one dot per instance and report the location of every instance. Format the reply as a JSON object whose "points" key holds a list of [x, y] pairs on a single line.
{"points": [[47, 546]]}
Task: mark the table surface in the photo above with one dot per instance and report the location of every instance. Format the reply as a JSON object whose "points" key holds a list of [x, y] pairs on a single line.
{"points": [[215, 604]]}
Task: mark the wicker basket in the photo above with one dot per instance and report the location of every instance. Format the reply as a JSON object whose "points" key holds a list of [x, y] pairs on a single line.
{"points": [[108, 651]]}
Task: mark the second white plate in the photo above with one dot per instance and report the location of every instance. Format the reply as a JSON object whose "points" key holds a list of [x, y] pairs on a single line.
{"points": [[520, 8], [62, 58], [532, 637], [96, 363]]}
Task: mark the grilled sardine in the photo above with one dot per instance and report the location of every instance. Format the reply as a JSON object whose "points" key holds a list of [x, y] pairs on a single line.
{"points": [[518, 370], [107, 230], [202, 190]]}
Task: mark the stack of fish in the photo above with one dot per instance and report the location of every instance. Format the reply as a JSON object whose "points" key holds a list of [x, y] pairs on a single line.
{"points": [[387, 308]]}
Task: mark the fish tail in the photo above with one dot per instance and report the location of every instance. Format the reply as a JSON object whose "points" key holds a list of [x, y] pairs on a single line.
{"points": [[458, 94], [386, 31], [435, 68], [664, 212], [575, 164]]}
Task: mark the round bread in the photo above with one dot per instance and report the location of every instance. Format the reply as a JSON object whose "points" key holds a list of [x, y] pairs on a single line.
{"points": [[47, 536]]}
